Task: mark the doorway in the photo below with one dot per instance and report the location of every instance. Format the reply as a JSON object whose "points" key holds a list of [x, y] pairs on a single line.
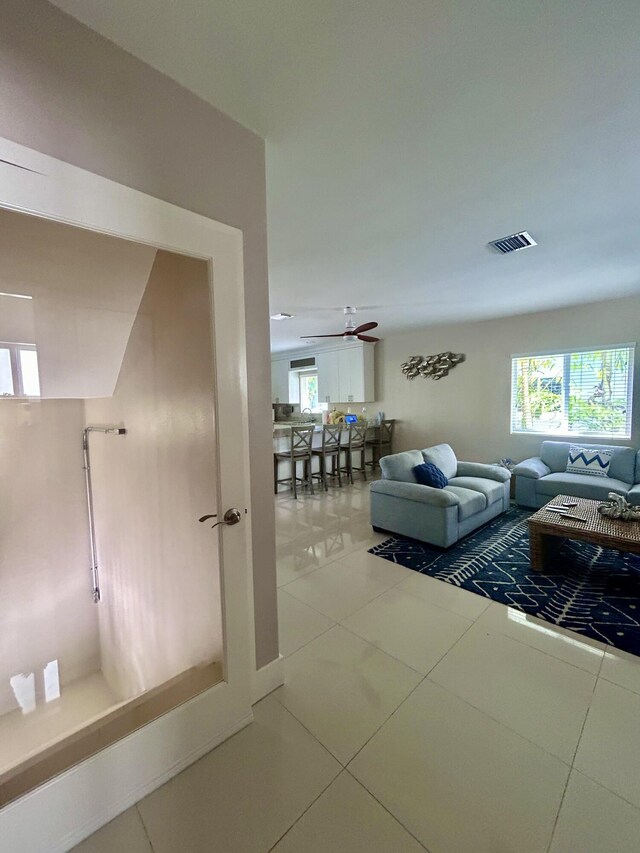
{"points": [[123, 617]]}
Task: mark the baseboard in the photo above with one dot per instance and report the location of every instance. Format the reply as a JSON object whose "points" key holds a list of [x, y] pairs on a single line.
{"points": [[267, 678], [136, 794]]}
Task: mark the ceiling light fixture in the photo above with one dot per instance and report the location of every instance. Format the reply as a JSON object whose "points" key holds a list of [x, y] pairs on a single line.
{"points": [[17, 295], [282, 316]]}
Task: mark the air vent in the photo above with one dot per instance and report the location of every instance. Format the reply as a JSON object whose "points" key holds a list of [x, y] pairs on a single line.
{"points": [[297, 363], [513, 243]]}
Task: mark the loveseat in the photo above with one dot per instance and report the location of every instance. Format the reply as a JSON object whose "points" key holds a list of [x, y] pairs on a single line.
{"points": [[541, 478], [475, 494]]}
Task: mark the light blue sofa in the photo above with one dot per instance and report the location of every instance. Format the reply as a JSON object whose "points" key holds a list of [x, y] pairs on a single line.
{"points": [[476, 493], [541, 478], [634, 492]]}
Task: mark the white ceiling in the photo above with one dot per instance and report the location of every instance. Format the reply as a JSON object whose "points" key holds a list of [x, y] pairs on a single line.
{"points": [[402, 136]]}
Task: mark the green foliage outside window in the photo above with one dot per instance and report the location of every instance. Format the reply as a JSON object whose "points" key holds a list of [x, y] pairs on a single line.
{"points": [[581, 393]]}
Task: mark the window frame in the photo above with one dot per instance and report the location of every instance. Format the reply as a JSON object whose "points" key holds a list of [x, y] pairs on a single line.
{"points": [[16, 370], [566, 355]]}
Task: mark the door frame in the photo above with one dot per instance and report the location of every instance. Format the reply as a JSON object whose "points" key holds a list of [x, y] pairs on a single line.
{"points": [[69, 807]]}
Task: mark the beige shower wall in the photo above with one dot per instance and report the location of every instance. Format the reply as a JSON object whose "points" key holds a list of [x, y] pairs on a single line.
{"points": [[160, 610], [46, 610]]}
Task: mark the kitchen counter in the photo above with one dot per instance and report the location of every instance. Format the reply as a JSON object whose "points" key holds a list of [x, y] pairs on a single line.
{"points": [[278, 426]]}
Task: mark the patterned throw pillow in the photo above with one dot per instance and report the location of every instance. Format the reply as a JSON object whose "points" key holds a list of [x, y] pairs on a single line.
{"points": [[429, 474], [582, 460]]}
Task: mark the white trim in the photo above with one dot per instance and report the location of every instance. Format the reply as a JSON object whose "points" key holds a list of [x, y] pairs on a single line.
{"points": [[127, 771], [267, 679], [311, 349], [86, 796], [566, 436], [594, 348]]}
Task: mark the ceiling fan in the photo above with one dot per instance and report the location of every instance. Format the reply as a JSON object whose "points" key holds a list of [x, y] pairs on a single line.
{"points": [[351, 332]]}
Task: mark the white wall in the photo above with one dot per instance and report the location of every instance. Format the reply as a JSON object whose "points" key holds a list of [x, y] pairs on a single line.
{"points": [[16, 319], [470, 408], [160, 612]]}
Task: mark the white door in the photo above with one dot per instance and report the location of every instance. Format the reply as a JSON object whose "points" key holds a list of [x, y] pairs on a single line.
{"points": [[57, 815]]}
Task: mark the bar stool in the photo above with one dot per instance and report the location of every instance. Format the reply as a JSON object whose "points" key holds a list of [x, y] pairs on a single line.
{"points": [[331, 449], [381, 443], [299, 451], [356, 444]]}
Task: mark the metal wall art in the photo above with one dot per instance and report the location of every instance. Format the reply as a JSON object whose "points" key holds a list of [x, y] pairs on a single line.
{"points": [[431, 366], [619, 507]]}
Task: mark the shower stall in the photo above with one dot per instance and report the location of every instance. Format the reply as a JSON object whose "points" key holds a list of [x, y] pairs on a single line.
{"points": [[110, 592]]}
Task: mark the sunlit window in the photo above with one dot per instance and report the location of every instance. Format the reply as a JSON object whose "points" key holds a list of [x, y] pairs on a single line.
{"points": [[588, 393], [19, 376], [309, 391]]}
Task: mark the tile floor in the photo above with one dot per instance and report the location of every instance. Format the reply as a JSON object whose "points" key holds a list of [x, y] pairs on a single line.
{"points": [[415, 716]]}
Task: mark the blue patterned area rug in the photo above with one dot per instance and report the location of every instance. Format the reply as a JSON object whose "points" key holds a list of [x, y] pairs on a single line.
{"points": [[591, 590]]}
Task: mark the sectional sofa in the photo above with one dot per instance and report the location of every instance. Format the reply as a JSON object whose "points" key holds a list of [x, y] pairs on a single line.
{"points": [[541, 478]]}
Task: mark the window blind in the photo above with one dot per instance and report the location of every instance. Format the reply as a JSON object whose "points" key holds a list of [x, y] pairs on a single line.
{"points": [[586, 393]]}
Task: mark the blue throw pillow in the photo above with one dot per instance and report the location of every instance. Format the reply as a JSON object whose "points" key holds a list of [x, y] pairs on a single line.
{"points": [[429, 474]]}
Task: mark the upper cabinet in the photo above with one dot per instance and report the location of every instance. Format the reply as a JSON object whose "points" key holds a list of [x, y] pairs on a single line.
{"points": [[327, 364], [355, 369], [345, 374], [280, 380]]}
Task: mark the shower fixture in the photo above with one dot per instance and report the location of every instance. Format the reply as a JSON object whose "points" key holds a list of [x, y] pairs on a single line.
{"points": [[109, 430]]}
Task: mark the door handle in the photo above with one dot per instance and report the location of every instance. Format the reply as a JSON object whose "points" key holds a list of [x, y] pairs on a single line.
{"points": [[232, 516]]}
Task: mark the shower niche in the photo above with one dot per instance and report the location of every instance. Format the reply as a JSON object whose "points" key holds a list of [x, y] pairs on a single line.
{"points": [[110, 592]]}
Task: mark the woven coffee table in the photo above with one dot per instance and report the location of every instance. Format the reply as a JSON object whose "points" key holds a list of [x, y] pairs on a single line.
{"points": [[547, 530]]}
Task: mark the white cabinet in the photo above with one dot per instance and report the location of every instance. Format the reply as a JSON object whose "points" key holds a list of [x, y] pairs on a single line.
{"points": [[345, 374], [356, 374], [327, 364], [280, 380], [350, 364]]}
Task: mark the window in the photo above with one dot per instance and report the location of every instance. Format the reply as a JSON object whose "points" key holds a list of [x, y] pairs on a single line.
{"points": [[19, 370], [308, 380], [576, 393]]}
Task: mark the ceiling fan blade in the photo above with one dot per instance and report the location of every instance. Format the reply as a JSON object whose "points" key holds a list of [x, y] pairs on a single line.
{"points": [[365, 327], [323, 336], [368, 339]]}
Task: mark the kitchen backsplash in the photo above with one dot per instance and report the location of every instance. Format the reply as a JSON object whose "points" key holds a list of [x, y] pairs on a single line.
{"points": [[288, 413]]}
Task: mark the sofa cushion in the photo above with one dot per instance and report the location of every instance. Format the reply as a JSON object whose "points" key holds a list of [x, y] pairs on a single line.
{"points": [[471, 502], [637, 478], [443, 457], [623, 459], [491, 489], [596, 488], [399, 466], [634, 495], [592, 463], [430, 475]]}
